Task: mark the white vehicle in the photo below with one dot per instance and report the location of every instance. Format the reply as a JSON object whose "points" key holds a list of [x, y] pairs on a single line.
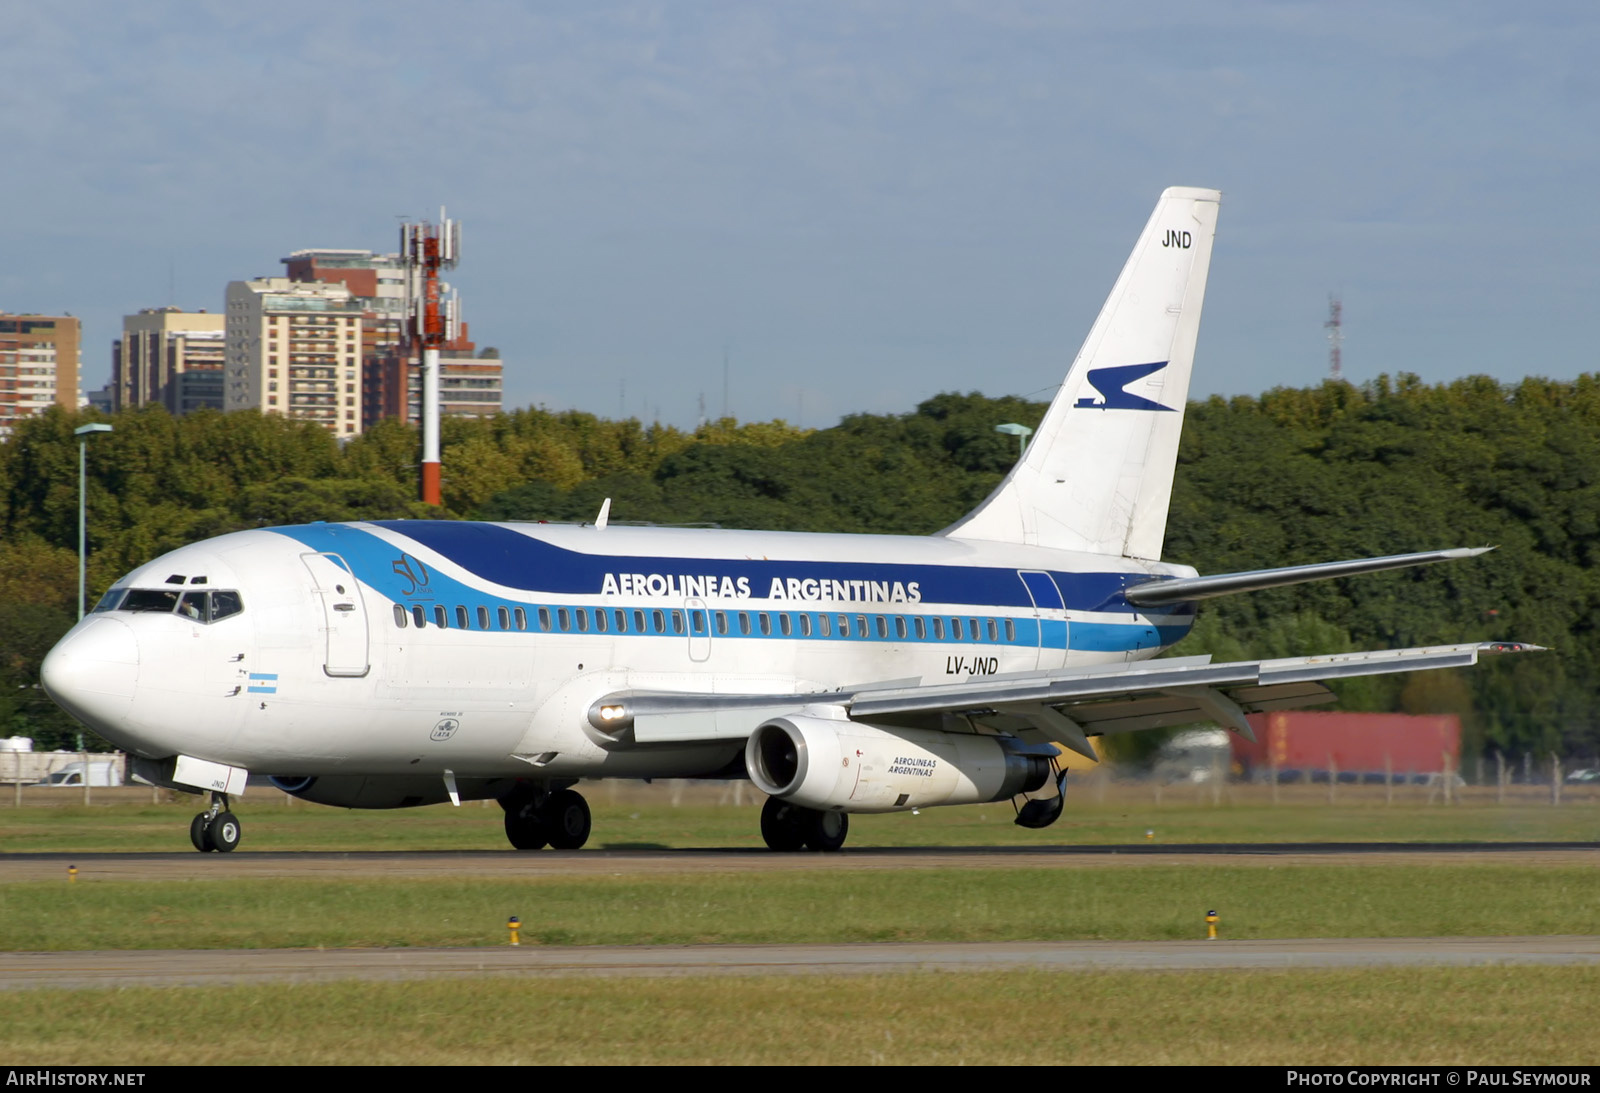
{"points": [[398, 663], [102, 772]]}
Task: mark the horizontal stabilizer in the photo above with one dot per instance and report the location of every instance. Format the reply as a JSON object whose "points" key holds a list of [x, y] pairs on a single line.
{"points": [[1185, 589]]}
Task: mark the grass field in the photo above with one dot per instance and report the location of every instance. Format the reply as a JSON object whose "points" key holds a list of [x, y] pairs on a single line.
{"points": [[1138, 902], [644, 817], [1417, 1016]]}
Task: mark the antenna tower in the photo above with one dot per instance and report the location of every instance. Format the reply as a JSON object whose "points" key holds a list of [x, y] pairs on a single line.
{"points": [[432, 319], [1335, 329]]}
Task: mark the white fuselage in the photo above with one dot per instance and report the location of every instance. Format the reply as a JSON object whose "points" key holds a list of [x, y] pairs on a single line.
{"points": [[418, 647]]}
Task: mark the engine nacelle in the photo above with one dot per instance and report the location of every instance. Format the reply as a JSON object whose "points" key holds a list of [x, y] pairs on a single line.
{"points": [[852, 767]]}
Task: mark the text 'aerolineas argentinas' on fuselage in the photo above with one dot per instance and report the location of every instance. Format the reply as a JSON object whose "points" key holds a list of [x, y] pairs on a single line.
{"points": [[813, 589]]}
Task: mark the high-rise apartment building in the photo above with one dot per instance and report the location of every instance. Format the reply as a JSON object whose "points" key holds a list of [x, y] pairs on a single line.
{"points": [[391, 381], [294, 348], [171, 357], [40, 361], [469, 386]]}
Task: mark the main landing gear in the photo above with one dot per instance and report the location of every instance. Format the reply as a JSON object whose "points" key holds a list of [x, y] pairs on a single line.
{"points": [[787, 827], [539, 817], [216, 828]]}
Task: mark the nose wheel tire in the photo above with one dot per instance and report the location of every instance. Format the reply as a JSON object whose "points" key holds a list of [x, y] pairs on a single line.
{"points": [[566, 819], [197, 832], [222, 834]]}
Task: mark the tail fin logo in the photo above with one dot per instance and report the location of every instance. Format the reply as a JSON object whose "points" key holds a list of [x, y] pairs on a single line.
{"points": [[1110, 383]]}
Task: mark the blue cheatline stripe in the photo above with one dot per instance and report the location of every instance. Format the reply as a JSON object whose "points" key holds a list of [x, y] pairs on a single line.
{"points": [[379, 565], [513, 560]]}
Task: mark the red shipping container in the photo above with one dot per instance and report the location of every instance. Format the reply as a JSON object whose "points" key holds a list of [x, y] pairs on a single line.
{"points": [[1354, 743]]}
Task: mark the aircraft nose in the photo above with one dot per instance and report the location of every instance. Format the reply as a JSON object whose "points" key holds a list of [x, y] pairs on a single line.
{"points": [[92, 672]]}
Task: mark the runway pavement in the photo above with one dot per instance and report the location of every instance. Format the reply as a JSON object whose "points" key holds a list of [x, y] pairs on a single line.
{"points": [[187, 864], [208, 967]]}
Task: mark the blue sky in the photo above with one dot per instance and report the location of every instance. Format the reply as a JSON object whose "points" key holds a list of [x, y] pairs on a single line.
{"points": [[860, 204]]}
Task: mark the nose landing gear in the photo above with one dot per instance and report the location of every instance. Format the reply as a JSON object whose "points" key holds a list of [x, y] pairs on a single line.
{"points": [[216, 828]]}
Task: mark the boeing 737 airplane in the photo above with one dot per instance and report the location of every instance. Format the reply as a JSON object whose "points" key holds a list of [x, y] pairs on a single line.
{"points": [[408, 662]]}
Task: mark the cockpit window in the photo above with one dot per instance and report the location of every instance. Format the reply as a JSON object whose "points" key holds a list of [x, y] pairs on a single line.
{"points": [[150, 599], [110, 600], [202, 607]]}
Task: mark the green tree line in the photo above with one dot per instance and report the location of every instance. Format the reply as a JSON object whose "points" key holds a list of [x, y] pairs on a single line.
{"points": [[1294, 476]]}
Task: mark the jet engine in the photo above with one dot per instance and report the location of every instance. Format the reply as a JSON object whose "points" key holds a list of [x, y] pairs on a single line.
{"points": [[853, 767]]}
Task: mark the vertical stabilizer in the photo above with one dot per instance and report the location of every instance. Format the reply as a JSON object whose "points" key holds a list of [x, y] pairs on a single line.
{"points": [[1098, 475]]}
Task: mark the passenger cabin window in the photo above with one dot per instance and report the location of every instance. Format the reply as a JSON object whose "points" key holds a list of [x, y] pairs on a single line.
{"points": [[764, 622], [483, 619], [461, 617], [883, 627], [418, 617], [922, 628], [844, 626], [938, 628], [583, 619], [1011, 630], [622, 621], [994, 634], [440, 619], [522, 618], [660, 621], [805, 626], [638, 623], [563, 619], [722, 622], [400, 616], [955, 629], [677, 622], [744, 622], [505, 618], [544, 619], [600, 620], [697, 623], [824, 626]]}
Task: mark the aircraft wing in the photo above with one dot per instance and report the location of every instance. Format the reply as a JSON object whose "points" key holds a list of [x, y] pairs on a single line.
{"points": [[1065, 706]]}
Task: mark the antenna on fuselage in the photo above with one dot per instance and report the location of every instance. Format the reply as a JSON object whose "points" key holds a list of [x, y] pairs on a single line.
{"points": [[605, 513]]}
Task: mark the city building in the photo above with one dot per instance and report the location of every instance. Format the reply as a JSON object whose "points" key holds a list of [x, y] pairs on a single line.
{"points": [[391, 381], [469, 385], [294, 348], [170, 357], [41, 358]]}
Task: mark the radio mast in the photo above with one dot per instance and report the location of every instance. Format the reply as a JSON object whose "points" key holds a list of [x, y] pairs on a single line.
{"points": [[431, 321], [1335, 328]]}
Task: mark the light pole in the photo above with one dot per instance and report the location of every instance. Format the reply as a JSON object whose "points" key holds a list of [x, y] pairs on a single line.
{"points": [[83, 433], [1021, 432]]}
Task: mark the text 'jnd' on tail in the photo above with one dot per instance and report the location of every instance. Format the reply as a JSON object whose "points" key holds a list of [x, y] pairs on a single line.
{"points": [[1098, 475]]}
